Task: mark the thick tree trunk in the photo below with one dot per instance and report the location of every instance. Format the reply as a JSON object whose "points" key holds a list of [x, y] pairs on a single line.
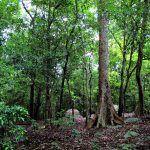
{"points": [[38, 103], [140, 105], [104, 114], [31, 107], [106, 111]]}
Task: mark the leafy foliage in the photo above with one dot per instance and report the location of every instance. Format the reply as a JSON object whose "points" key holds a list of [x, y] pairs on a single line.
{"points": [[9, 117], [132, 120], [130, 134], [127, 146]]}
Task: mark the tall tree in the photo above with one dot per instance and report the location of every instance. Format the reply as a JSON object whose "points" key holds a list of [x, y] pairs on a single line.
{"points": [[106, 111], [141, 42], [68, 46]]}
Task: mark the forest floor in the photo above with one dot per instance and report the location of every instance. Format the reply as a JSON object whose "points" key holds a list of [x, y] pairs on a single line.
{"points": [[134, 135]]}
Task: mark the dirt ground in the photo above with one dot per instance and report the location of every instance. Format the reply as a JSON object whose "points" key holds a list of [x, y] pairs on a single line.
{"points": [[131, 136]]}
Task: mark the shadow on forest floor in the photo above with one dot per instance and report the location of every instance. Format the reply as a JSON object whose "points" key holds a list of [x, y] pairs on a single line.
{"points": [[135, 134]]}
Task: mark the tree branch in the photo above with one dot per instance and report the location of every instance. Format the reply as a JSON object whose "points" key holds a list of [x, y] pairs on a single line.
{"points": [[27, 10], [115, 39]]}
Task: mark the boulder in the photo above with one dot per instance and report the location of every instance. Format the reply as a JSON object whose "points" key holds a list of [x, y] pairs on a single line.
{"points": [[69, 113], [79, 119], [116, 107]]}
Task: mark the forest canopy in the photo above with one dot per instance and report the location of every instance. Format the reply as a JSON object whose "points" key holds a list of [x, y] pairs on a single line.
{"points": [[86, 59], [49, 55]]}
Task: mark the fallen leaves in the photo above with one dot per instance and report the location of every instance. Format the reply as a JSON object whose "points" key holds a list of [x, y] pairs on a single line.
{"points": [[113, 137]]}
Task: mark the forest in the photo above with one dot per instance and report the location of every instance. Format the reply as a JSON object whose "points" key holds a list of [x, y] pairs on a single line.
{"points": [[74, 74]]}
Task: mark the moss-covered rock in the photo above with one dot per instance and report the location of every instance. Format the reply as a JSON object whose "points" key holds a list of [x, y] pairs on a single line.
{"points": [[131, 134]]}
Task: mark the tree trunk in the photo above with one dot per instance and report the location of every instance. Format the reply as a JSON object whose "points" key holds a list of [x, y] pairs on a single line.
{"points": [[31, 107], [83, 95], [70, 98], [69, 37], [63, 81], [106, 112], [87, 95], [48, 102], [90, 83], [129, 73], [140, 105], [38, 103], [121, 92]]}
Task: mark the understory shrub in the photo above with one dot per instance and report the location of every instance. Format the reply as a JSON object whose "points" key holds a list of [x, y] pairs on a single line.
{"points": [[63, 122], [75, 133], [127, 147], [11, 132], [131, 134]]}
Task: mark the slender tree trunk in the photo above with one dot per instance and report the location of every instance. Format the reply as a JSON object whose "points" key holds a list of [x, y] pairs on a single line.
{"points": [[87, 95], [67, 56], [48, 102], [63, 81], [121, 93], [129, 74], [83, 91], [71, 100], [133, 47], [140, 105], [90, 83], [31, 110], [38, 103]]}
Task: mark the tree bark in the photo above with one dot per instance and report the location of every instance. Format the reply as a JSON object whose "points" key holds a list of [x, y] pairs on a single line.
{"points": [[63, 81], [48, 102], [31, 109], [87, 94], [121, 92], [38, 103], [90, 84], [106, 112], [67, 47], [140, 105], [70, 98], [83, 94]]}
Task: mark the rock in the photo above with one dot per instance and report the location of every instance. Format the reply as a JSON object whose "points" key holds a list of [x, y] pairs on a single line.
{"points": [[127, 115], [133, 120], [130, 134], [79, 119], [116, 107], [69, 113]]}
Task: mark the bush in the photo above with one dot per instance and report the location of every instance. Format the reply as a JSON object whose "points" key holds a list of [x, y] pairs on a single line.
{"points": [[131, 134], [133, 120], [63, 122], [95, 144], [127, 147], [55, 145], [10, 131], [75, 133]]}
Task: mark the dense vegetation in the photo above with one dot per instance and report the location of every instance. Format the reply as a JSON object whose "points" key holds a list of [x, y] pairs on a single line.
{"points": [[51, 59]]}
